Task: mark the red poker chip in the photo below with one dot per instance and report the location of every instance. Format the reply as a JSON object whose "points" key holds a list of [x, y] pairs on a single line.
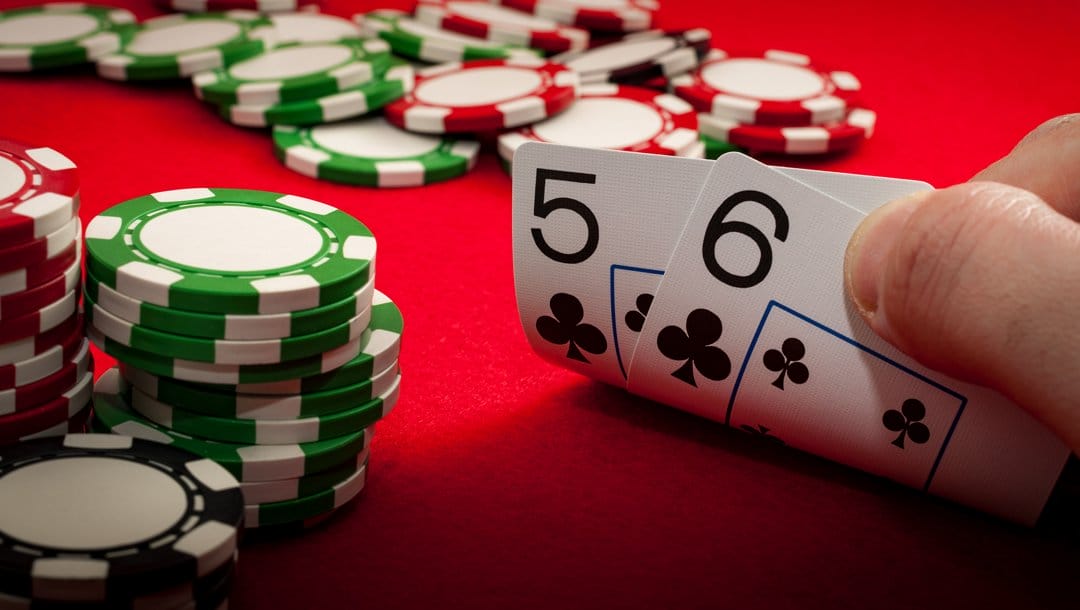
{"points": [[483, 19], [484, 95], [24, 349], [41, 417], [21, 303], [856, 127], [617, 117], [47, 362], [39, 190], [25, 397], [77, 424], [593, 15], [772, 88], [28, 278], [37, 251], [40, 320]]}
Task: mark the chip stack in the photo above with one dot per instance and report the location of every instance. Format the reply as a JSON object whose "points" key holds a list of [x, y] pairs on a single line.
{"points": [[248, 331], [46, 370], [776, 102], [108, 521], [59, 34]]}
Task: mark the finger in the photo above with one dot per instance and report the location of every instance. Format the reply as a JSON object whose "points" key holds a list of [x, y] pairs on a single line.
{"points": [[1045, 163], [980, 281]]}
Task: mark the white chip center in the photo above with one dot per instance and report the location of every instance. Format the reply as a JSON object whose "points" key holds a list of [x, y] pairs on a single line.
{"points": [[298, 27], [45, 29], [291, 62], [186, 36], [620, 55], [85, 503], [372, 139], [231, 238], [478, 86], [602, 122], [12, 178], [761, 79]]}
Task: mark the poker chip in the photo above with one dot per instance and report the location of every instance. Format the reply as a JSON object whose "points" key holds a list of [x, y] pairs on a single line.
{"points": [[230, 326], [208, 400], [411, 38], [264, 492], [290, 27], [58, 34], [774, 88], [39, 321], [37, 251], [33, 276], [856, 127], [353, 419], [77, 424], [297, 71], [180, 45], [23, 397], [229, 251], [714, 148], [203, 6], [224, 351], [639, 57], [39, 189], [25, 349], [617, 117], [305, 507], [22, 303], [372, 152], [483, 19], [55, 411], [48, 361], [151, 519], [354, 101], [600, 15], [246, 462], [484, 95]]}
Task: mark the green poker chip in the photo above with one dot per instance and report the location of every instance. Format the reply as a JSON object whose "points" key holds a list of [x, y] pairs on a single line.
{"points": [[372, 152], [714, 148], [354, 419], [58, 34], [223, 351], [292, 72], [410, 38], [246, 462], [354, 101], [180, 45], [205, 400], [307, 507], [265, 492], [229, 251], [229, 326]]}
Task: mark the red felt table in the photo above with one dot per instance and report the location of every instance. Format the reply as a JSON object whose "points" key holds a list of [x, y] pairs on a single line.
{"points": [[503, 482]]}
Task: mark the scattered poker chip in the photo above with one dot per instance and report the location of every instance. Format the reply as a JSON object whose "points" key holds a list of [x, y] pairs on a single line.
{"points": [[28, 278], [305, 507], [39, 391], [168, 518], [48, 361], [230, 326], [354, 101], [25, 349], [58, 34], [639, 57], [39, 190], [352, 420], [37, 251], [57, 410], [372, 152], [617, 117], [224, 351], [484, 95], [206, 400], [411, 38], [297, 71], [180, 45], [857, 126], [483, 19], [245, 462], [775, 88], [203, 6], [40, 321], [714, 148], [600, 15], [263, 492], [229, 251], [21, 303]]}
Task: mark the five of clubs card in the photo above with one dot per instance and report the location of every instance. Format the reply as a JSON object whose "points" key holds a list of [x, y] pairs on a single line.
{"points": [[717, 287]]}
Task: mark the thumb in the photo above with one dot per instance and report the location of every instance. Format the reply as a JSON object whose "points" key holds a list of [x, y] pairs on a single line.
{"points": [[980, 281]]}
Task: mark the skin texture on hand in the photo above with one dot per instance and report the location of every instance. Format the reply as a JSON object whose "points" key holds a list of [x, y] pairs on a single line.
{"points": [[982, 280]]}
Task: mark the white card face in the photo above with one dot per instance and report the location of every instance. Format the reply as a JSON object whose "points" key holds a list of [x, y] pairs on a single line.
{"points": [[761, 262]]}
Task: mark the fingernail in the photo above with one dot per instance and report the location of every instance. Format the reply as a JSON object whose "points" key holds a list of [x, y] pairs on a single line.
{"points": [[869, 249]]}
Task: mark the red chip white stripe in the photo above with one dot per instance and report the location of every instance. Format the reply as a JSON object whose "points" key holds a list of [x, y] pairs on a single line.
{"points": [[41, 417], [40, 320], [46, 363], [39, 190], [26, 349], [49, 387], [39, 250], [27, 278], [601, 15], [484, 95], [831, 137], [489, 21], [22, 303]]}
